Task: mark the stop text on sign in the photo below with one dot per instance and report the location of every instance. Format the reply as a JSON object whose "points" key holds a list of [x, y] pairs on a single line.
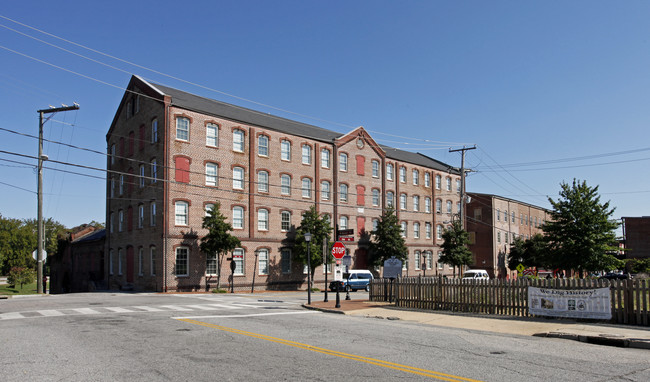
{"points": [[338, 250]]}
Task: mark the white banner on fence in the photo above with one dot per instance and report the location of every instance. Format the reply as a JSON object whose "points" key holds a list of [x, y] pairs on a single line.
{"points": [[574, 303]]}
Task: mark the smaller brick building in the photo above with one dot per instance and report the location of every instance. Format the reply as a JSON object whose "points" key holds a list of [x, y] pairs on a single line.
{"points": [[79, 265], [636, 231]]}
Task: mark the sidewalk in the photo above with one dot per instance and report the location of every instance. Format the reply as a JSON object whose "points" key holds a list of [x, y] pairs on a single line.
{"points": [[595, 333]]}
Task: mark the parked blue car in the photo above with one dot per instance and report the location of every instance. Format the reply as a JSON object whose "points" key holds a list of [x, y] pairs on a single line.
{"points": [[354, 280]]}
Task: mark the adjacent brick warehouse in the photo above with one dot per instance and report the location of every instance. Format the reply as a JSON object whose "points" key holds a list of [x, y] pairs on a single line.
{"points": [[493, 222], [636, 231], [173, 154]]}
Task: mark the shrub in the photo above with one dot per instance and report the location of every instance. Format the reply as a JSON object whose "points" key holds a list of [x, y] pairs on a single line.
{"points": [[21, 275]]}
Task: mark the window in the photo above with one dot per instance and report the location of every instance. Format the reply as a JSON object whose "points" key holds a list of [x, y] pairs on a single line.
{"points": [[113, 154], [120, 221], [375, 224], [182, 173], [498, 214], [513, 216], [416, 230], [111, 222], [438, 181], [238, 178], [375, 197], [390, 199], [438, 206], [263, 145], [152, 218], [181, 210], [182, 259], [402, 174], [439, 232], [154, 171], [441, 265], [449, 206], [505, 237], [457, 207], [238, 218], [238, 257], [211, 264], [427, 205], [427, 230], [263, 260], [140, 261], [121, 184], [402, 201], [154, 130], [152, 261], [404, 228], [343, 192], [343, 162], [306, 188], [131, 142], [325, 158], [211, 174], [182, 129], [325, 190], [361, 195], [208, 208], [458, 186], [238, 140], [129, 219], [306, 154], [429, 259], [448, 184], [343, 222], [119, 261], [141, 175], [427, 179], [416, 177], [416, 203], [375, 169], [389, 171], [211, 135], [285, 184], [417, 260], [262, 220], [498, 236], [262, 181], [285, 150], [110, 262], [112, 187], [361, 165], [140, 215], [285, 260], [285, 218]]}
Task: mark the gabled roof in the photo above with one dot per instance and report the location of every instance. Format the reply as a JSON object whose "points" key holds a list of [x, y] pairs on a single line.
{"points": [[93, 236], [216, 108]]}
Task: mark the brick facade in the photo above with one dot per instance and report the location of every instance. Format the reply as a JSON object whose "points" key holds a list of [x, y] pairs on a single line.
{"points": [[250, 166], [493, 222], [636, 231]]}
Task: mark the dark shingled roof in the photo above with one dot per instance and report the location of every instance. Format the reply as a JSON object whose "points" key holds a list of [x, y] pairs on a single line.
{"points": [[252, 117], [95, 235]]}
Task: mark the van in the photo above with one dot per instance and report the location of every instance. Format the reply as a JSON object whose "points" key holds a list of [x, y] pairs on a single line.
{"points": [[476, 274], [353, 280]]}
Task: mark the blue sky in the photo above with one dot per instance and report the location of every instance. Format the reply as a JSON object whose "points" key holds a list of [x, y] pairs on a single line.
{"points": [[547, 90]]}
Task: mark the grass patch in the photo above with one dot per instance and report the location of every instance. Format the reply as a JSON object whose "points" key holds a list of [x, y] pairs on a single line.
{"points": [[27, 289]]}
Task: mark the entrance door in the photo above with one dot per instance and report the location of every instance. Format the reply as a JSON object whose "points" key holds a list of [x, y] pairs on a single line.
{"points": [[129, 264]]}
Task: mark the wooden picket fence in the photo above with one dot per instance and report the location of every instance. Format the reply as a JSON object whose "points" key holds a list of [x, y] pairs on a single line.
{"points": [[630, 299]]}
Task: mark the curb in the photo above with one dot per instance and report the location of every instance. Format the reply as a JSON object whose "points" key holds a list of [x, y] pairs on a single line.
{"points": [[325, 310], [603, 339]]}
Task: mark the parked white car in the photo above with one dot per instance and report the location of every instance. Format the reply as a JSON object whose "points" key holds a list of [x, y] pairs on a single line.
{"points": [[476, 274]]}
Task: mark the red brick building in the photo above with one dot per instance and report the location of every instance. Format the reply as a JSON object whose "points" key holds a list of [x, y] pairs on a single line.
{"points": [[173, 154], [636, 232], [79, 265], [493, 222]]}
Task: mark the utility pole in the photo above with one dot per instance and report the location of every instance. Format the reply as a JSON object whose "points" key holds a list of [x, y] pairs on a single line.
{"points": [[41, 158], [462, 182]]}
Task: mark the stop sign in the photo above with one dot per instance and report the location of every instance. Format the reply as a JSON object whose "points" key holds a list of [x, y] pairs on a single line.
{"points": [[338, 250]]}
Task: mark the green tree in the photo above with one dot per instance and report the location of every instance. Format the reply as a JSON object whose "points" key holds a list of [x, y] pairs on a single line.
{"points": [[218, 242], [388, 239], [529, 253], [581, 232], [17, 242], [320, 229], [454, 247]]}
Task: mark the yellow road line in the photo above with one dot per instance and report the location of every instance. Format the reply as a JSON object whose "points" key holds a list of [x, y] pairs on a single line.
{"points": [[371, 361]]}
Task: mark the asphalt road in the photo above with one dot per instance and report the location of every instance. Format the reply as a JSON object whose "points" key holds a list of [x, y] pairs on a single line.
{"points": [[270, 337]]}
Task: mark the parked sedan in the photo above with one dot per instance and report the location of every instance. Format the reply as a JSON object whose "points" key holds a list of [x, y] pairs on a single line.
{"points": [[616, 276]]}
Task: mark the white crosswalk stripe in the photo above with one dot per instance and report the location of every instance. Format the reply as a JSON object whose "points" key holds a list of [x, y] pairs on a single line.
{"points": [[230, 306]]}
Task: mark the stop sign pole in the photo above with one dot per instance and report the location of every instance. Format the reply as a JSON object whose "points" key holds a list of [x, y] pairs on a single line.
{"points": [[338, 251]]}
